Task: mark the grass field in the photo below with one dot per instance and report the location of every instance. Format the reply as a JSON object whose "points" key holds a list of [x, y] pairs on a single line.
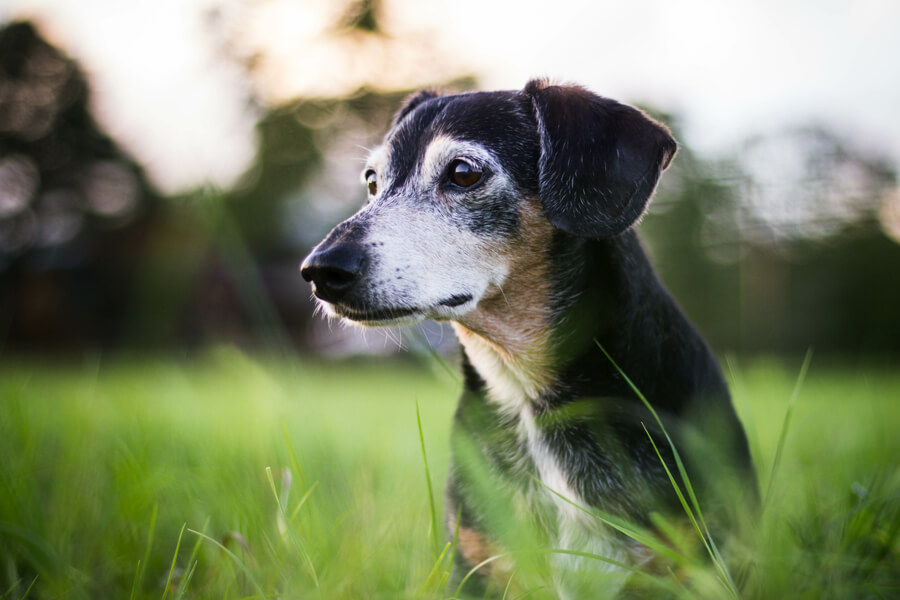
{"points": [[231, 477]]}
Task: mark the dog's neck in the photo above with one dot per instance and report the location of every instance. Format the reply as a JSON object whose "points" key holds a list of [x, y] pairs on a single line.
{"points": [[508, 338], [511, 355], [521, 339]]}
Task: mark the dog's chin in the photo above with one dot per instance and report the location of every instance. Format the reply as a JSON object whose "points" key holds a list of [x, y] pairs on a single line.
{"points": [[378, 317], [384, 316]]}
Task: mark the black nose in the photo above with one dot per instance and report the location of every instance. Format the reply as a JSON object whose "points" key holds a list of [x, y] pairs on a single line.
{"points": [[333, 270]]}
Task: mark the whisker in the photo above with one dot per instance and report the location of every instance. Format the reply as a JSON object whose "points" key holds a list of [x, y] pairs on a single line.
{"points": [[505, 299]]}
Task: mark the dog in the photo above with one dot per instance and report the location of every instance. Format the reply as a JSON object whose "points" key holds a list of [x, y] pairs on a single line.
{"points": [[510, 214]]}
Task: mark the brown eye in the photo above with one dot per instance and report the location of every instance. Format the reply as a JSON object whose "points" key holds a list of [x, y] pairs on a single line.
{"points": [[371, 184], [463, 174]]}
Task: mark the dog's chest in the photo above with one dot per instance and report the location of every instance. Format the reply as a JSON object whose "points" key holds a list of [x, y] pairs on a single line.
{"points": [[509, 428], [539, 473]]}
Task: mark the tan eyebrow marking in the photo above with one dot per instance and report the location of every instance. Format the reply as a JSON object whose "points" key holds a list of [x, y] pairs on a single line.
{"points": [[443, 149]]}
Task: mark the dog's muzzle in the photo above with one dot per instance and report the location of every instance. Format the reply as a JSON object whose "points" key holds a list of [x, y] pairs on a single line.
{"points": [[334, 270]]}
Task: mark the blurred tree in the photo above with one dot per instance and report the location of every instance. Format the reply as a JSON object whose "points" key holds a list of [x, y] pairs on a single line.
{"points": [[305, 181], [90, 255], [363, 15], [775, 249], [673, 230], [73, 206], [780, 248]]}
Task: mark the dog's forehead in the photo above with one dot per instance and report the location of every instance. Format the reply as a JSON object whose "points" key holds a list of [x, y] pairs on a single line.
{"points": [[499, 121]]}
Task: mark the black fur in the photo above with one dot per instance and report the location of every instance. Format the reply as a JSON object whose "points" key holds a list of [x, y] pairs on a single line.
{"points": [[595, 421], [500, 120], [598, 163], [600, 160], [412, 101], [594, 164]]}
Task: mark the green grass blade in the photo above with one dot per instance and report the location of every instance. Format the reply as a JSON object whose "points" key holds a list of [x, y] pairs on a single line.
{"points": [[28, 591], [434, 568], [474, 570], [192, 566], [630, 530], [785, 425], [300, 504], [705, 534], [237, 560], [186, 579], [281, 520], [134, 582], [634, 570], [677, 488], [695, 504], [271, 480], [681, 470], [294, 462], [14, 585], [174, 560], [508, 584], [597, 557], [454, 543], [718, 561], [435, 548], [294, 539], [142, 564]]}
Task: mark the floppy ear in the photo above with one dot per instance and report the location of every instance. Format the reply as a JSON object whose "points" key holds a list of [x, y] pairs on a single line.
{"points": [[412, 101], [599, 160]]}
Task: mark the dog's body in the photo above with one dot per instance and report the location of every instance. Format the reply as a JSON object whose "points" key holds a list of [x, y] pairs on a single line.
{"points": [[509, 214]]}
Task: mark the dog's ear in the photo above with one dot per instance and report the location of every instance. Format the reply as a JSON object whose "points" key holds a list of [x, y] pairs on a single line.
{"points": [[599, 160], [412, 101]]}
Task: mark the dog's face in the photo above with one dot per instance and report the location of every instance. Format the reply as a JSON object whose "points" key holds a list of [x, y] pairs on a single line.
{"points": [[460, 185]]}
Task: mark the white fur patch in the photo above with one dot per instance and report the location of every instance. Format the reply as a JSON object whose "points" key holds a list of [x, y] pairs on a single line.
{"points": [[576, 529], [419, 259], [514, 391], [436, 263], [510, 386]]}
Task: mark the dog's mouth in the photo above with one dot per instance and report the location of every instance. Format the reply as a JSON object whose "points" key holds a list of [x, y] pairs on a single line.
{"points": [[374, 315], [393, 314]]}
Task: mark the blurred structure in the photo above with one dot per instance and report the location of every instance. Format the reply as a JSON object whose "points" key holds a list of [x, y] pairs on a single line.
{"points": [[73, 207], [783, 245], [92, 257], [329, 49], [791, 241]]}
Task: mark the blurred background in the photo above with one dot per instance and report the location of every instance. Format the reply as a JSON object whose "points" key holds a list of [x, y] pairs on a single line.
{"points": [[165, 166]]}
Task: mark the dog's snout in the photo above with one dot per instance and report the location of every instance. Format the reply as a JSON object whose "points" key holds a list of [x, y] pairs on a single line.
{"points": [[333, 270]]}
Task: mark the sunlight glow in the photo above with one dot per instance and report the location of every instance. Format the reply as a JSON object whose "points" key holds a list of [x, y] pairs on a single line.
{"points": [[174, 81]]}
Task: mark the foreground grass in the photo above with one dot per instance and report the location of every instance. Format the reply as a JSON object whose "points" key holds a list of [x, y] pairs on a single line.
{"points": [[231, 478]]}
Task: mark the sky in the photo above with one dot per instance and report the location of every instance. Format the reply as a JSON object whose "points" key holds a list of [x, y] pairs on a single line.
{"points": [[731, 69]]}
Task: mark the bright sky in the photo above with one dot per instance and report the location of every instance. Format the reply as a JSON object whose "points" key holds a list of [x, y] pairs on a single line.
{"points": [[732, 69]]}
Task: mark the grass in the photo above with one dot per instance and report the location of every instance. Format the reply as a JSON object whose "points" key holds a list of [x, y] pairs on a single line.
{"points": [[232, 477]]}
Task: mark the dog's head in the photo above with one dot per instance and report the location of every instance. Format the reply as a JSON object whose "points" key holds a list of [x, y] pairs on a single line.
{"points": [[462, 184]]}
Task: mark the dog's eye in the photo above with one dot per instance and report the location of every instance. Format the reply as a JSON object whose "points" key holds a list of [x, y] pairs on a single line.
{"points": [[371, 182], [463, 174]]}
